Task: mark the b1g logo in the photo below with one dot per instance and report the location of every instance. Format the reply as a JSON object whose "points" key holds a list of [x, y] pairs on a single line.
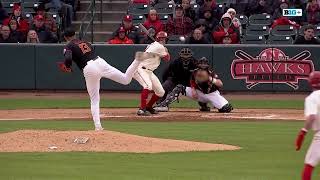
{"points": [[292, 12], [271, 66]]}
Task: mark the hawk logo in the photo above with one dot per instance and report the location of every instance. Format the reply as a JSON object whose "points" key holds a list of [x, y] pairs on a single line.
{"points": [[271, 66]]}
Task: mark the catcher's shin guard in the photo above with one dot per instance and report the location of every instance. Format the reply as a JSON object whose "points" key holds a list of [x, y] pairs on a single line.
{"points": [[174, 95], [226, 108]]}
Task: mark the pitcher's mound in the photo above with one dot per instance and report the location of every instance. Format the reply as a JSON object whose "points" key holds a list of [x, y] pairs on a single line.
{"points": [[103, 141]]}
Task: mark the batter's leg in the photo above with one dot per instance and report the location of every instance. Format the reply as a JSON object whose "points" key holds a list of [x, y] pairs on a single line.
{"points": [[218, 101], [143, 77], [312, 158], [93, 86], [158, 92], [114, 74]]}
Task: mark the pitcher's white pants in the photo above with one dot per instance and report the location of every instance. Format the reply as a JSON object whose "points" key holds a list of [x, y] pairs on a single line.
{"points": [[214, 98], [97, 69]]}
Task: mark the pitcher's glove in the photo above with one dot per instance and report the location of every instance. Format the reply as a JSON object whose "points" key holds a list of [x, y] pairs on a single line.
{"points": [[63, 68]]}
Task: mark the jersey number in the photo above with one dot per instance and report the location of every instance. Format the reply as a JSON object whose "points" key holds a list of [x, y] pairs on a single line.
{"points": [[84, 48]]}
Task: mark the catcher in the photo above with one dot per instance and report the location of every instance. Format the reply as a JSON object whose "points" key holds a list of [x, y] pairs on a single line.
{"points": [[204, 87], [179, 72]]}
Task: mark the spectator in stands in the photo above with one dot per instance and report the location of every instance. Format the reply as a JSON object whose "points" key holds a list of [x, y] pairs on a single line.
{"points": [[284, 4], [49, 22], [226, 29], [65, 9], [44, 34], [196, 38], [284, 21], [207, 3], [188, 11], [147, 39], [3, 14], [179, 25], [17, 14], [131, 31], [121, 38], [308, 37], [5, 36], [15, 34], [227, 40], [313, 10], [154, 21], [211, 21], [141, 1], [32, 37], [212, 6], [259, 7], [235, 21], [202, 25]]}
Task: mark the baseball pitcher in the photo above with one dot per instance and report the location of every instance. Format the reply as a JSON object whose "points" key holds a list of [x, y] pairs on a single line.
{"points": [[312, 115], [204, 87], [94, 68], [145, 76]]}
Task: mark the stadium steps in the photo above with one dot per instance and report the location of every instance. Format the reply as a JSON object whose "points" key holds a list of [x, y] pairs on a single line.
{"points": [[112, 14]]}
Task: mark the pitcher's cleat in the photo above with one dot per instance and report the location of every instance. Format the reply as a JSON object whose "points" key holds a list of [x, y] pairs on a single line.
{"points": [[99, 129]]}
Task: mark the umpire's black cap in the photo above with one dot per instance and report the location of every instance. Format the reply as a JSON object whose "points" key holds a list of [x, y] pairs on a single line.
{"points": [[69, 32]]}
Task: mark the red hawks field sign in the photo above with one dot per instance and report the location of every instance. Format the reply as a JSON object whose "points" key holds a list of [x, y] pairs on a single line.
{"points": [[271, 66]]}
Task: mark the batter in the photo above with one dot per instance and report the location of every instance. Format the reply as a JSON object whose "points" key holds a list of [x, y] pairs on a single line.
{"points": [[147, 79]]}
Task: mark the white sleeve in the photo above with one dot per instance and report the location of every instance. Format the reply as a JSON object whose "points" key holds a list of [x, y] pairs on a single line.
{"points": [[310, 106]]}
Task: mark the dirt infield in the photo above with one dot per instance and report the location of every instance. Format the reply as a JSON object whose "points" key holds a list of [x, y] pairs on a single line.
{"points": [[103, 141]]}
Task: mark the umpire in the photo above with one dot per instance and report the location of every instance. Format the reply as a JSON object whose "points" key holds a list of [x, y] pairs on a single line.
{"points": [[179, 72]]}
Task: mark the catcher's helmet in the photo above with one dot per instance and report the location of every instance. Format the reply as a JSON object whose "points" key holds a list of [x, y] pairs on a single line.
{"points": [[203, 63], [161, 35], [314, 79]]}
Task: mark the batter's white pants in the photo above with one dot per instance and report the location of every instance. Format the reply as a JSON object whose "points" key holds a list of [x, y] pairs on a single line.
{"points": [[148, 80], [97, 69], [214, 98], [313, 155]]}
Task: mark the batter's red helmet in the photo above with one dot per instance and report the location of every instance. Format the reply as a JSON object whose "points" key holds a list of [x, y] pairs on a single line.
{"points": [[314, 79], [161, 34]]}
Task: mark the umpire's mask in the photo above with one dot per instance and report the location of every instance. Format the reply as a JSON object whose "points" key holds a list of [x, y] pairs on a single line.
{"points": [[186, 56]]}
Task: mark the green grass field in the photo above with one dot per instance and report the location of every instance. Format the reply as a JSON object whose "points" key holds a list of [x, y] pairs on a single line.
{"points": [[268, 148]]}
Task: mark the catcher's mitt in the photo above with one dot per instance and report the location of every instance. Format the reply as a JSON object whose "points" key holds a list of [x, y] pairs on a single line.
{"points": [[63, 68]]}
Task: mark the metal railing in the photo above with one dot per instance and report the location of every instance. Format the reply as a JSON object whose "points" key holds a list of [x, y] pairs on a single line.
{"points": [[84, 27]]}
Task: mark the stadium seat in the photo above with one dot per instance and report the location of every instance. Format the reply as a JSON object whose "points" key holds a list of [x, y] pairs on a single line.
{"points": [[138, 9], [164, 18], [195, 7], [175, 39], [253, 39], [137, 18], [8, 6], [223, 2], [33, 1], [284, 30], [259, 30], [316, 33], [164, 8], [240, 8], [222, 8], [260, 19], [243, 19], [280, 40]]}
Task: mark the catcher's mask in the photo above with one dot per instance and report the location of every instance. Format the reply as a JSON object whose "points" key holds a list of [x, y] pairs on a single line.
{"points": [[203, 63], [186, 56]]}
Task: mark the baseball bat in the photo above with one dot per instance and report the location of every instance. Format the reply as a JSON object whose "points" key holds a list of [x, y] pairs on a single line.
{"points": [[146, 31]]}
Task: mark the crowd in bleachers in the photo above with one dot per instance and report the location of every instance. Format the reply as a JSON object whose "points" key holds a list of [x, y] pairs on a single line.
{"points": [[221, 21], [34, 21]]}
